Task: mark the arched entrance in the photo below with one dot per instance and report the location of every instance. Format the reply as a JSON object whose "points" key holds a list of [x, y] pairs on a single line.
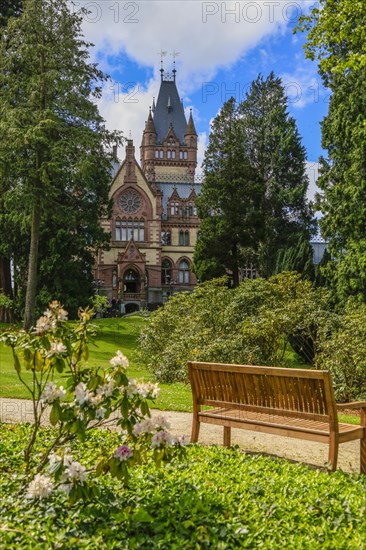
{"points": [[131, 281], [131, 307]]}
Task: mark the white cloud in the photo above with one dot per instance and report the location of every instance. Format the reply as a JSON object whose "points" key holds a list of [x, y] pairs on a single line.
{"points": [[208, 34], [303, 86]]}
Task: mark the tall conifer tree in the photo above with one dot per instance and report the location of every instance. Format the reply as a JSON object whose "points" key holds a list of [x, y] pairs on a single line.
{"points": [[273, 144], [253, 203], [50, 126], [230, 203]]}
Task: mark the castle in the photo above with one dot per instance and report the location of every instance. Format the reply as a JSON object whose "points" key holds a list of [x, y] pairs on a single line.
{"points": [[154, 222]]}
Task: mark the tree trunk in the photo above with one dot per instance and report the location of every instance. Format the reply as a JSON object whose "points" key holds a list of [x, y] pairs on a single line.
{"points": [[235, 267], [30, 301], [6, 314]]}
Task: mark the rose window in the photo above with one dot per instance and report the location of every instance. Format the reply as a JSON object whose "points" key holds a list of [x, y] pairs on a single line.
{"points": [[130, 202]]}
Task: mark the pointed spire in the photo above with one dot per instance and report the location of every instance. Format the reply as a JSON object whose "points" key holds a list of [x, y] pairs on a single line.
{"points": [[191, 130], [150, 127]]}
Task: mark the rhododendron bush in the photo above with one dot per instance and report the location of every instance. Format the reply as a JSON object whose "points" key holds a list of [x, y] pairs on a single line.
{"points": [[89, 398]]}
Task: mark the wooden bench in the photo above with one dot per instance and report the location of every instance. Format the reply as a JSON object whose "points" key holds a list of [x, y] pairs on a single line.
{"points": [[289, 402]]}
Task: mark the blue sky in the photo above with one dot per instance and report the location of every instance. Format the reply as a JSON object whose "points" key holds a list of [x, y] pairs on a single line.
{"points": [[222, 47]]}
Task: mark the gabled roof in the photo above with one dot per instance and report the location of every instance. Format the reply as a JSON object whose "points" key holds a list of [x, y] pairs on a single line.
{"points": [[169, 111]]}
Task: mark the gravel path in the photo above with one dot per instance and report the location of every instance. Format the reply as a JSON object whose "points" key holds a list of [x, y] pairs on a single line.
{"points": [[20, 410]]}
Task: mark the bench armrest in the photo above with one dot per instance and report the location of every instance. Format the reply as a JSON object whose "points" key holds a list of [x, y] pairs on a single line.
{"points": [[352, 405]]}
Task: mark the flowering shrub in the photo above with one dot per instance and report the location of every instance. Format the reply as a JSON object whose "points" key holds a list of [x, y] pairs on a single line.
{"points": [[91, 398]]}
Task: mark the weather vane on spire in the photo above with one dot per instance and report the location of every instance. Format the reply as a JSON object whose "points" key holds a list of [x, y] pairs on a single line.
{"points": [[174, 54]]}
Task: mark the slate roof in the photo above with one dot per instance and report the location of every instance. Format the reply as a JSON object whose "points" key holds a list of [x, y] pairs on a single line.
{"points": [[169, 111], [183, 190]]}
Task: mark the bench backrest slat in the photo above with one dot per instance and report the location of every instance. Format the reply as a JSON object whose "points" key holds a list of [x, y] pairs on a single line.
{"points": [[306, 391]]}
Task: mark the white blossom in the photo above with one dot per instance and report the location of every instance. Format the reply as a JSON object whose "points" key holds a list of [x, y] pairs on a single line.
{"points": [[51, 392], [82, 395], [44, 324], [162, 439], [146, 426], [119, 360], [161, 422], [40, 487], [95, 399], [75, 472], [148, 389], [106, 390], [131, 389], [100, 413], [57, 348]]}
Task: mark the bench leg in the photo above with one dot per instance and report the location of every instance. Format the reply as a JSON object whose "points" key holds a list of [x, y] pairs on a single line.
{"points": [[333, 451], [195, 430], [363, 443], [363, 456], [227, 436]]}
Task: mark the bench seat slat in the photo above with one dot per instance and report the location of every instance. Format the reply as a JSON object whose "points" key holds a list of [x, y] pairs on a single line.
{"points": [[272, 410], [277, 421]]}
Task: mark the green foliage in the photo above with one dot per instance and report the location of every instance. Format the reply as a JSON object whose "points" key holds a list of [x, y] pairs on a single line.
{"points": [[92, 398], [54, 160], [229, 204], [336, 38], [218, 498], [250, 324], [343, 353], [253, 203], [99, 303]]}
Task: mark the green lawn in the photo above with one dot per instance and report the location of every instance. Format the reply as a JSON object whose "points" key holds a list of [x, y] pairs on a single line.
{"points": [[121, 333], [113, 334]]}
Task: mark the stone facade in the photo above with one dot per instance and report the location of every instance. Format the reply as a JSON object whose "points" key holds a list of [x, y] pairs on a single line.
{"points": [[154, 222]]}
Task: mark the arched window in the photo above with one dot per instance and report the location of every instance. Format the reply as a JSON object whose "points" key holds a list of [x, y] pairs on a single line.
{"points": [[190, 209], [176, 209], [184, 211], [185, 155], [186, 238], [168, 154], [156, 153], [173, 154], [166, 272], [172, 209], [181, 155], [181, 238], [118, 234], [161, 153], [183, 273]]}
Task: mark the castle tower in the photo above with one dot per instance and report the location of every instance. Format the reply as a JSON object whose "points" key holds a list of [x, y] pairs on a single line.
{"points": [[169, 145]]}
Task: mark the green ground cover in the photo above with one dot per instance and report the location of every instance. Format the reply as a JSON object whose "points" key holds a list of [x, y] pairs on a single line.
{"points": [[215, 498], [121, 333]]}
